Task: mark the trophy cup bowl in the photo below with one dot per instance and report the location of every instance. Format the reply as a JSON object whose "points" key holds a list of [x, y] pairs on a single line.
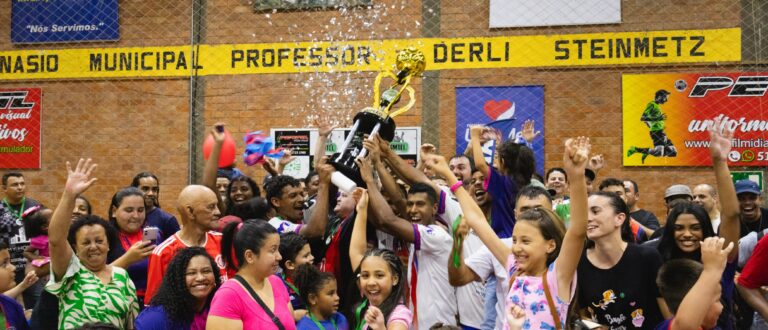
{"points": [[377, 119]]}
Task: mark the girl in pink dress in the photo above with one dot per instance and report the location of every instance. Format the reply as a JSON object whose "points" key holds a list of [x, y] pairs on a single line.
{"points": [[543, 257]]}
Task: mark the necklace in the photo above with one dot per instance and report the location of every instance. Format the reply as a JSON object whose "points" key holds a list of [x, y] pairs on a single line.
{"points": [[320, 326], [16, 214]]}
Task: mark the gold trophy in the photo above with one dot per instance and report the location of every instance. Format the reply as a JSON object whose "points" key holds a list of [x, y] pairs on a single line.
{"points": [[377, 119]]}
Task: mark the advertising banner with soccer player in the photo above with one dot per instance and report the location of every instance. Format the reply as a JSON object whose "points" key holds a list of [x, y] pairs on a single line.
{"points": [[666, 117], [20, 128]]}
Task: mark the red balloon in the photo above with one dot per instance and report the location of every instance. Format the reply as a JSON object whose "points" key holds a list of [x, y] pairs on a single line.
{"points": [[227, 156]]}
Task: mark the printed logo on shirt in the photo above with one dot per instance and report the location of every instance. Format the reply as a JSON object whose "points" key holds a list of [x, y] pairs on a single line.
{"points": [[608, 298]]}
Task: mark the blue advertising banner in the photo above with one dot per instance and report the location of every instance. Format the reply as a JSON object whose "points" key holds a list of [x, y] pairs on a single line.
{"points": [[504, 108], [44, 21]]}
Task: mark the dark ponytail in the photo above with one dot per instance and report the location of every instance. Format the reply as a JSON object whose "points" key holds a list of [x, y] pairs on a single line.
{"points": [[238, 237], [309, 280]]}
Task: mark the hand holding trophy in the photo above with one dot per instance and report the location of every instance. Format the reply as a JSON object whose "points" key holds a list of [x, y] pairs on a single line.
{"points": [[377, 119]]}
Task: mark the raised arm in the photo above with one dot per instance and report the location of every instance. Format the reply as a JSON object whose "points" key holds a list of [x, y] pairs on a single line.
{"points": [[382, 216], [324, 129], [212, 164], [78, 181], [472, 213], [358, 243], [574, 161], [704, 293], [318, 220], [476, 133], [461, 275], [388, 183], [719, 147], [403, 170]]}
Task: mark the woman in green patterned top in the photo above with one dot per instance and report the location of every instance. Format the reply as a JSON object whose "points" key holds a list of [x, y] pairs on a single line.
{"points": [[89, 290]]}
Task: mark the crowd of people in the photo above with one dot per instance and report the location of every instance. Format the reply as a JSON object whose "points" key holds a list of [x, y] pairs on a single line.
{"points": [[457, 243]]}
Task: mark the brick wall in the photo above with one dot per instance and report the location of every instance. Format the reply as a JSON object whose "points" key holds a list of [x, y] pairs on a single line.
{"points": [[129, 126]]}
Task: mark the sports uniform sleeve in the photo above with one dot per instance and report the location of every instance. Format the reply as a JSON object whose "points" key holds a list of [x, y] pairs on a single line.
{"points": [[481, 262], [448, 209], [754, 275], [432, 239], [283, 226], [155, 273]]}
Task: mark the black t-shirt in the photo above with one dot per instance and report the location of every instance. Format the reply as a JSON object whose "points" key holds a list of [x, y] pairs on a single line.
{"points": [[759, 225], [645, 218], [17, 238], [623, 297]]}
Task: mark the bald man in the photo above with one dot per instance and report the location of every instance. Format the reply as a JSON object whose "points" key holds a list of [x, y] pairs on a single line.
{"points": [[198, 207], [706, 196]]}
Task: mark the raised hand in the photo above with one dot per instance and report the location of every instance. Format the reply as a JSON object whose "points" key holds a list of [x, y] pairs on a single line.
{"points": [[597, 162], [576, 154], [437, 164], [373, 149], [324, 170], [362, 199], [374, 318], [713, 255], [29, 279], [719, 140], [79, 179], [529, 132], [287, 158], [218, 137], [366, 170], [324, 126], [427, 149]]}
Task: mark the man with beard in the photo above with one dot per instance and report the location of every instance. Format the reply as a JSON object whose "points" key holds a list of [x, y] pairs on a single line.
{"points": [[753, 216], [462, 167]]}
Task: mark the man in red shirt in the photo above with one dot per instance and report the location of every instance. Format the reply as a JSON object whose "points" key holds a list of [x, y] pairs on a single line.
{"points": [[198, 207], [753, 278]]}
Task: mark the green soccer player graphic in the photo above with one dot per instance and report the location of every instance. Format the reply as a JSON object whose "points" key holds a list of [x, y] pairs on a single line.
{"points": [[654, 119]]}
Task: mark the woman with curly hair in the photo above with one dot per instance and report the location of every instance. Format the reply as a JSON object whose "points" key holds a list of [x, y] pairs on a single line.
{"points": [[183, 299]]}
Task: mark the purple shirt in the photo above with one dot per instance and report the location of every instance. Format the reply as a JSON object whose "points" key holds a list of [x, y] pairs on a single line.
{"points": [[503, 190]]}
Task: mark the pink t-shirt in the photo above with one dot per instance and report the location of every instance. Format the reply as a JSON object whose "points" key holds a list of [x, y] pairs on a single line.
{"points": [[40, 243], [401, 313], [232, 301], [528, 293]]}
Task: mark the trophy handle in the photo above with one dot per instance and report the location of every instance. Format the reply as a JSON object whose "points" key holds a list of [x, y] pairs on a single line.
{"points": [[377, 84], [411, 101]]}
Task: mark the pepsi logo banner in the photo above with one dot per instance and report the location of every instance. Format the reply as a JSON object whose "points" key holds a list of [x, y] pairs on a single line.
{"points": [[20, 128], [504, 108], [666, 117]]}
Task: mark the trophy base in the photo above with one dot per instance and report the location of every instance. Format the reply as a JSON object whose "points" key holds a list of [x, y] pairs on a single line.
{"points": [[366, 123]]}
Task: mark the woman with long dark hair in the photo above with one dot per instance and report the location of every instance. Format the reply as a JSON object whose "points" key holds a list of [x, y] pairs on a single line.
{"points": [[255, 298], [183, 300]]}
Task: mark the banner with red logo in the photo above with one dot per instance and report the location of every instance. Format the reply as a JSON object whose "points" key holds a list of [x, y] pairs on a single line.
{"points": [[666, 117], [504, 108], [20, 128]]}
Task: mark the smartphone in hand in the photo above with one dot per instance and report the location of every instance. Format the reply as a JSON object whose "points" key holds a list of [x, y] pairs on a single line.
{"points": [[151, 235]]}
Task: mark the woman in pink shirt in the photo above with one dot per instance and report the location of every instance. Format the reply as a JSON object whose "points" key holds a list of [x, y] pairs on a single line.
{"points": [[255, 298]]}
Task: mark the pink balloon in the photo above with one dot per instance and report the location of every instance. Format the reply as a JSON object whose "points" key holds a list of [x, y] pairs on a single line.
{"points": [[227, 157]]}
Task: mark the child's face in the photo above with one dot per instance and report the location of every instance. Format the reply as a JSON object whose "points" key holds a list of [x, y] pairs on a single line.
{"points": [[303, 257], [715, 308], [326, 300], [376, 279], [530, 248], [7, 271]]}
